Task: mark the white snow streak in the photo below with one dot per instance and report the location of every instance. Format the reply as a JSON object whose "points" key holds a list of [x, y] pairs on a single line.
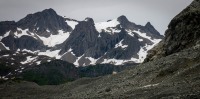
{"points": [[93, 61], [49, 53], [7, 48], [151, 85], [121, 45], [29, 59], [5, 35]]}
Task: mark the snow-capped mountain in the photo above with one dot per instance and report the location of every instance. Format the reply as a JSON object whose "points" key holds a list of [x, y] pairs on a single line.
{"points": [[82, 43]]}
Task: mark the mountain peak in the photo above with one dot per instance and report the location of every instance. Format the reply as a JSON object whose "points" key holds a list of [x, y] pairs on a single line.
{"points": [[90, 20], [47, 19], [148, 24], [151, 28], [50, 10], [122, 18]]}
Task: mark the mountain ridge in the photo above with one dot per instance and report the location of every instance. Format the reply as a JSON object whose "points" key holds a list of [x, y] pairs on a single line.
{"points": [[79, 42]]}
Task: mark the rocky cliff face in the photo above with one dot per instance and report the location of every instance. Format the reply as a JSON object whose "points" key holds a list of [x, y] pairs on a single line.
{"points": [[183, 32]]}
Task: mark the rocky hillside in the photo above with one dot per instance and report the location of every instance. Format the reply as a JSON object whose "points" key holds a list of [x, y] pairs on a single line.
{"points": [[183, 32], [175, 74]]}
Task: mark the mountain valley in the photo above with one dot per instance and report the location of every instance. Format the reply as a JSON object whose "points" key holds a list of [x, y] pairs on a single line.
{"points": [[113, 59]]}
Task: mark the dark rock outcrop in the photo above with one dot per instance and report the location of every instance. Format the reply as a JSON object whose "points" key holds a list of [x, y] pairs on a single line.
{"points": [[7, 26], [183, 32], [24, 42], [82, 38]]}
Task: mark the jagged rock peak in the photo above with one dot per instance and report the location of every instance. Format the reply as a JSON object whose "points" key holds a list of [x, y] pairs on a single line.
{"points": [[151, 28], [88, 19], [148, 24], [122, 19]]}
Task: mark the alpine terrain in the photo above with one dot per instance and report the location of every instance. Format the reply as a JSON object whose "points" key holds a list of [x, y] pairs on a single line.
{"points": [[82, 43], [171, 69], [45, 38]]}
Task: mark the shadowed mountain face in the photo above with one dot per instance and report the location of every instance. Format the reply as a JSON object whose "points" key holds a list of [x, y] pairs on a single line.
{"points": [[82, 43], [41, 21]]}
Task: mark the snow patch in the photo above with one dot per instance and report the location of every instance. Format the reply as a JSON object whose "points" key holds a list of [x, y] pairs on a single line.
{"points": [[53, 40], [112, 30], [29, 59], [48, 30], [5, 55], [48, 60], [3, 78], [143, 50], [29, 51], [113, 61], [104, 25], [38, 62], [99, 36], [49, 53], [140, 40], [144, 35], [93, 61], [72, 23]]}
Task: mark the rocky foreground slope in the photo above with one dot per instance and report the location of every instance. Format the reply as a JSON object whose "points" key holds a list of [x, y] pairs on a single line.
{"points": [[175, 74]]}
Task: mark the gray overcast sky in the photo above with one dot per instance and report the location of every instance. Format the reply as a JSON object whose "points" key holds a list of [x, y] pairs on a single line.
{"points": [[158, 12]]}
